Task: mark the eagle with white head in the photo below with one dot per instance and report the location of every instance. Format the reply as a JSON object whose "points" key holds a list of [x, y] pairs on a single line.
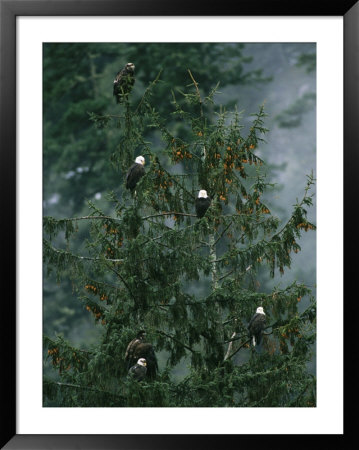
{"points": [[256, 326], [139, 370], [135, 173], [202, 203]]}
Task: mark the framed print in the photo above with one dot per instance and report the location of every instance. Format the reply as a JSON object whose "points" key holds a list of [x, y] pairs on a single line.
{"points": [[175, 193]]}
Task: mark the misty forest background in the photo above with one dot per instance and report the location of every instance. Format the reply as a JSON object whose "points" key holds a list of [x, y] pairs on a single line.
{"points": [[78, 156]]}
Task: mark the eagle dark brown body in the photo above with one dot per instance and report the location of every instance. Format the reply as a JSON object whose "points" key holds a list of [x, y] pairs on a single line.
{"points": [[135, 172], [202, 204], [123, 83]]}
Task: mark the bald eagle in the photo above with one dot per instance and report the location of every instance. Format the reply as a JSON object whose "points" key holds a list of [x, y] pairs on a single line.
{"points": [[135, 172], [138, 348], [139, 370], [202, 203], [124, 81], [256, 326]]}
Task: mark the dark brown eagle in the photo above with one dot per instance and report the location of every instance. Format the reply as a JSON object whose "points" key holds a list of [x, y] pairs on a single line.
{"points": [[123, 83], [202, 203], [256, 326], [133, 344], [135, 172], [139, 370], [137, 349]]}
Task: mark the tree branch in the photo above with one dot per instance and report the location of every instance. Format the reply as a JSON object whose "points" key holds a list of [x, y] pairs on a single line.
{"points": [[78, 386], [169, 213], [236, 351], [83, 258], [176, 340]]}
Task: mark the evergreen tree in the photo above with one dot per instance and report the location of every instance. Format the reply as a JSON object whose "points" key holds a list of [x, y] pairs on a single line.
{"points": [[190, 283]]}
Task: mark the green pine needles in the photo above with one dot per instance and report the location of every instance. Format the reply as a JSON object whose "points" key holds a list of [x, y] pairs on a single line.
{"points": [[193, 284]]}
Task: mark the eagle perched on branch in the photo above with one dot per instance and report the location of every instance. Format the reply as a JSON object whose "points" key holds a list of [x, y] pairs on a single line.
{"points": [[139, 370], [135, 172], [124, 81], [137, 349], [256, 326], [202, 203]]}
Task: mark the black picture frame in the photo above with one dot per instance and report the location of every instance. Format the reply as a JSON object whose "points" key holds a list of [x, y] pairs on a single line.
{"points": [[9, 10]]}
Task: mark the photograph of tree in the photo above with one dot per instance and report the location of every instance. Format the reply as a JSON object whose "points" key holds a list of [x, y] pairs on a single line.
{"points": [[179, 220]]}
